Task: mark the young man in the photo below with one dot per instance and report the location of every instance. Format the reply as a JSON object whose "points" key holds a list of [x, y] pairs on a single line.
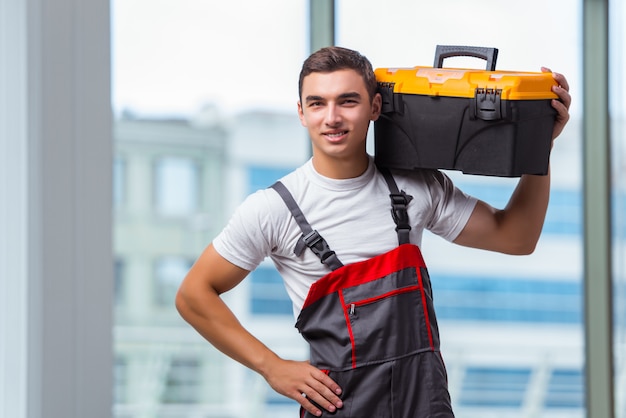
{"points": [[345, 198]]}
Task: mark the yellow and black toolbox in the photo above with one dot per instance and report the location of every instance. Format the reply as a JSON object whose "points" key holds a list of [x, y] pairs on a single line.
{"points": [[486, 122]]}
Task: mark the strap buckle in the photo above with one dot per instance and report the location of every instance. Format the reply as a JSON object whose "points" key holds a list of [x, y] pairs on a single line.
{"points": [[318, 245], [399, 203]]}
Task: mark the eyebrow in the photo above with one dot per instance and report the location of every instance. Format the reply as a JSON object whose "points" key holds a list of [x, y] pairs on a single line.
{"points": [[349, 95]]}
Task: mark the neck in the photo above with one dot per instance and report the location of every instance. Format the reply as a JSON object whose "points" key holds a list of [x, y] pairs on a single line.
{"points": [[339, 168]]}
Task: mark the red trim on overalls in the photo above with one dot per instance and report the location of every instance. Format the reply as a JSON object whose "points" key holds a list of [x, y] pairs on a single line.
{"points": [[399, 258], [349, 326], [425, 307]]}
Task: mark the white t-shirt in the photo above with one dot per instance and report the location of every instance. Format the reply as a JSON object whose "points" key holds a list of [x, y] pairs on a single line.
{"points": [[353, 216]]}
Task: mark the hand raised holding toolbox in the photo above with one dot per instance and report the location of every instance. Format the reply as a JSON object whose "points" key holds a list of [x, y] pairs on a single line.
{"points": [[562, 104]]}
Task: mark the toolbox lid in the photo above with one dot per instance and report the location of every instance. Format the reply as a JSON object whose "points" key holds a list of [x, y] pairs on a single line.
{"points": [[459, 82]]}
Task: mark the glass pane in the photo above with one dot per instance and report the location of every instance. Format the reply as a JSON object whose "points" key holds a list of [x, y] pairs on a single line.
{"points": [[176, 186], [204, 95], [511, 327], [169, 272], [617, 93]]}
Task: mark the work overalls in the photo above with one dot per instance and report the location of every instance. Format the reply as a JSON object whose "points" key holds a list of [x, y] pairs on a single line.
{"points": [[371, 325]]}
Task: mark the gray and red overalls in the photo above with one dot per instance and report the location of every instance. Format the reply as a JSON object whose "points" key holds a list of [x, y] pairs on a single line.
{"points": [[371, 325]]}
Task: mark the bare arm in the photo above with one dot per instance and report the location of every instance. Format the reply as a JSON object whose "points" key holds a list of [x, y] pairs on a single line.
{"points": [[198, 301], [516, 228]]}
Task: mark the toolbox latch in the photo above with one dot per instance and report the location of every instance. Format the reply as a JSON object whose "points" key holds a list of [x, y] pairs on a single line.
{"points": [[390, 102], [487, 105]]}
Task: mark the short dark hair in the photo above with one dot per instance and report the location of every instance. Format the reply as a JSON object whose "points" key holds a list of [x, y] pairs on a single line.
{"points": [[334, 58]]}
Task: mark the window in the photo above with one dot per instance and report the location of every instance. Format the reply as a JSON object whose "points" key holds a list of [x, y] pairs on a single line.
{"points": [[169, 273], [183, 383], [262, 177], [268, 294], [565, 389], [564, 216], [120, 377], [176, 186], [541, 300], [494, 387]]}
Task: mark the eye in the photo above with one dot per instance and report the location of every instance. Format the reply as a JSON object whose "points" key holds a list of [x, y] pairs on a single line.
{"points": [[315, 104], [350, 102]]}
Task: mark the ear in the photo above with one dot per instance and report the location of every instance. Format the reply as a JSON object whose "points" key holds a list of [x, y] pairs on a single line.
{"points": [[301, 114], [377, 103]]}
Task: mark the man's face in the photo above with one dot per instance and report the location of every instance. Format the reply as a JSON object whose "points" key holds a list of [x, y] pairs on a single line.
{"points": [[336, 109]]}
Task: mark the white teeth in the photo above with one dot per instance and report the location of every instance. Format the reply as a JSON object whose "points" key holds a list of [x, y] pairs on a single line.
{"points": [[336, 135]]}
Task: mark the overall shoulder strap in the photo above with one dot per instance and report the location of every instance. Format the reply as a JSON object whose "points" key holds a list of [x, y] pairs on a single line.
{"points": [[399, 202], [310, 237]]}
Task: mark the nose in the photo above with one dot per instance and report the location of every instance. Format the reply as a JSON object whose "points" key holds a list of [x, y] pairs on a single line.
{"points": [[333, 115]]}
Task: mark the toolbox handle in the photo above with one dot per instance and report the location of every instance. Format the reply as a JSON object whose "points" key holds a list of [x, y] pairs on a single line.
{"points": [[447, 51]]}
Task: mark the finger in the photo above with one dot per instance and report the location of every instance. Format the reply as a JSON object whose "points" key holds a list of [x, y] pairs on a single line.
{"points": [[564, 97], [558, 77], [324, 392], [324, 398], [306, 404], [327, 381], [561, 80], [315, 406], [562, 117], [561, 109]]}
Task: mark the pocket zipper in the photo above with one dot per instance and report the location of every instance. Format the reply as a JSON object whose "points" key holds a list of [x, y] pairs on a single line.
{"points": [[352, 306]]}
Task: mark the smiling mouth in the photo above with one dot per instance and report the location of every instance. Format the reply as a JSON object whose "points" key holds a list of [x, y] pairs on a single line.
{"points": [[335, 135]]}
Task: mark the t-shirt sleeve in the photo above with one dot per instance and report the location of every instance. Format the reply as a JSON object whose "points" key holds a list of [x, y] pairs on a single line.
{"points": [[245, 241], [451, 208]]}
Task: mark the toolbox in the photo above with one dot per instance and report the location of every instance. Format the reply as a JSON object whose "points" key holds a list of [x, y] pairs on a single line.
{"points": [[486, 122]]}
